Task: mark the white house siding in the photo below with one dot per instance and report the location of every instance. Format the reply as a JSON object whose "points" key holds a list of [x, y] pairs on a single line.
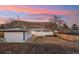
{"points": [[16, 36], [42, 33]]}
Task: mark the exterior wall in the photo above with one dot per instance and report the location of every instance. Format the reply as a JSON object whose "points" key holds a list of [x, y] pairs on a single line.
{"points": [[28, 35], [16, 36], [42, 33], [1, 34]]}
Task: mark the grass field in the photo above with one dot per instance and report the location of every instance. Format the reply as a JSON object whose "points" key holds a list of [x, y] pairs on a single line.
{"points": [[35, 48]]}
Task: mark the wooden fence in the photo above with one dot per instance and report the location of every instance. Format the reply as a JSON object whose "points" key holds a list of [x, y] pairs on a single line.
{"points": [[68, 37]]}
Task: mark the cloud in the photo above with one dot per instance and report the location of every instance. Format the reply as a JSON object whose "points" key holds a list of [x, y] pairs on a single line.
{"points": [[35, 10], [43, 14]]}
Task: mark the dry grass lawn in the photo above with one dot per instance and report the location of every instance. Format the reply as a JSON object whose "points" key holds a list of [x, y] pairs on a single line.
{"points": [[41, 45]]}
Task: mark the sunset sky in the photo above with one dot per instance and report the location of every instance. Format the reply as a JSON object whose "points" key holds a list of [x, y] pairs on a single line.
{"points": [[40, 13]]}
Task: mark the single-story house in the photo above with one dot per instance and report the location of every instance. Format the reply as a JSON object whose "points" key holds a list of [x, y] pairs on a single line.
{"points": [[16, 35]]}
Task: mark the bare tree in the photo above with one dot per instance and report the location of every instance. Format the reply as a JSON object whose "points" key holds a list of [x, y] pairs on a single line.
{"points": [[54, 21], [57, 23], [11, 20]]}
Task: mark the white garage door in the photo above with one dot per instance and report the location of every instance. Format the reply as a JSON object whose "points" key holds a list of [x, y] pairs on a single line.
{"points": [[13, 36]]}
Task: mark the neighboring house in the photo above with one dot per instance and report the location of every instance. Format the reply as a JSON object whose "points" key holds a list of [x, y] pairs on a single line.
{"points": [[63, 29], [74, 30], [16, 35]]}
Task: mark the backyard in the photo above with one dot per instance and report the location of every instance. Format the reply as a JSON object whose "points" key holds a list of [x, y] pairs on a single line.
{"points": [[41, 45]]}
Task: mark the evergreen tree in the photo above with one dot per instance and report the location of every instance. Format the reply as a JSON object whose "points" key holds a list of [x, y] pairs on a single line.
{"points": [[74, 27]]}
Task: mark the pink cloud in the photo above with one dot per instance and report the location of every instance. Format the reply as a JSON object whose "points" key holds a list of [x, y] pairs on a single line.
{"points": [[36, 11], [31, 10]]}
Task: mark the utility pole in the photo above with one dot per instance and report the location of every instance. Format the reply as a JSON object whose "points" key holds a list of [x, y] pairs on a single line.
{"points": [[18, 20]]}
